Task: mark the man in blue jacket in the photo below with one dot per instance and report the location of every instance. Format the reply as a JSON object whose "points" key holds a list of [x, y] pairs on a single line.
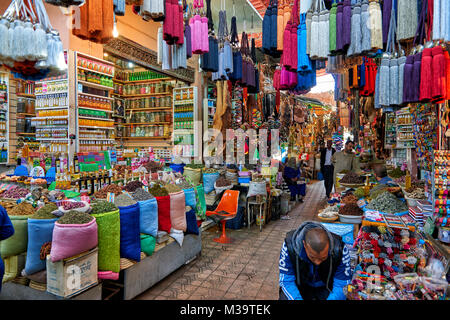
{"points": [[6, 231], [314, 264]]}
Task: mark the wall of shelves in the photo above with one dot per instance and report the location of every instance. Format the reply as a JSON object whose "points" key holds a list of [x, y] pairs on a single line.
{"points": [[4, 116]]}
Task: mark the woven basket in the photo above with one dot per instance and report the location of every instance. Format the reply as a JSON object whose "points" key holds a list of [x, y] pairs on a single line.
{"points": [[126, 263], [38, 286], [21, 280]]}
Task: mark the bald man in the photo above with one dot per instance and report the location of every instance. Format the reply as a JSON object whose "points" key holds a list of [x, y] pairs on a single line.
{"points": [[314, 264]]}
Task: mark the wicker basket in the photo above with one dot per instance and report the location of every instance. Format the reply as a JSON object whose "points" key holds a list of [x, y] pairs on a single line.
{"points": [[38, 286]]}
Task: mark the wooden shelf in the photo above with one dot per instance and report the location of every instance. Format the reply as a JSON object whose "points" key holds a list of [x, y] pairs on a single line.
{"points": [[93, 127], [143, 95], [94, 85], [26, 114], [145, 123], [93, 71], [47, 93], [144, 138], [95, 109], [26, 133], [93, 118], [149, 109], [84, 55], [51, 108], [95, 96], [142, 81], [25, 95]]}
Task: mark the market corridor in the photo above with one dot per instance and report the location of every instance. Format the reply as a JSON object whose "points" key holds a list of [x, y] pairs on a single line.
{"points": [[245, 270]]}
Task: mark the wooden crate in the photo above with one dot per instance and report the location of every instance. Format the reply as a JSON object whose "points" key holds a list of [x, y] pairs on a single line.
{"points": [[61, 277]]}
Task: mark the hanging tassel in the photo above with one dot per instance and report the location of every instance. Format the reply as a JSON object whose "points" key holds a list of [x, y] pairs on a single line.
{"points": [[426, 75], [332, 29], [365, 31], [416, 78], [376, 31], [355, 44], [401, 79], [324, 31], [346, 24], [339, 27], [439, 73], [384, 82], [394, 82], [314, 46], [407, 79]]}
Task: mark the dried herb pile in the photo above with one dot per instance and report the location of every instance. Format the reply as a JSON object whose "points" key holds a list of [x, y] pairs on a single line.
{"points": [[222, 182], [123, 200], [350, 198], [133, 185], [103, 193], [141, 195], [15, 193], [171, 188], [45, 212], [352, 177], [396, 173], [387, 202], [75, 217], [22, 209], [350, 209], [158, 191], [102, 207]]}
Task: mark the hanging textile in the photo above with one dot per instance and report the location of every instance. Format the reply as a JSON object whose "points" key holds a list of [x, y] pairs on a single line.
{"points": [[96, 21], [304, 63], [407, 19], [314, 30], [199, 30], [210, 59], [274, 30], [266, 29], [119, 7], [280, 25], [339, 27], [188, 39], [439, 65], [309, 15], [151, 9], [292, 63], [324, 31], [386, 16], [346, 24]]}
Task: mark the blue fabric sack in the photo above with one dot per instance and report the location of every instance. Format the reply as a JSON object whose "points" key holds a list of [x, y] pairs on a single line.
{"points": [[148, 217], [209, 179], [40, 231], [130, 241], [189, 196], [191, 221], [177, 167]]}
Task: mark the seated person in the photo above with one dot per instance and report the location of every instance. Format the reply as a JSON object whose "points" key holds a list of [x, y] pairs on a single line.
{"points": [[314, 264], [382, 176], [291, 175]]}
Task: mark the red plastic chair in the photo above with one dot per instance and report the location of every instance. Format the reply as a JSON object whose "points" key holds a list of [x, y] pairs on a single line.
{"points": [[226, 210]]}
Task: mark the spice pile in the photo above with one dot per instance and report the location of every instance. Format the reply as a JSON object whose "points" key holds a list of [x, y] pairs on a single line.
{"points": [[352, 178], [133, 185], [141, 195], [360, 193], [222, 182], [7, 205], [153, 167], [123, 200], [209, 170], [415, 193], [349, 198], [401, 180], [350, 209], [388, 203], [15, 193], [158, 191], [396, 173], [377, 190], [45, 212], [194, 166], [172, 188], [68, 205], [75, 217], [103, 193], [102, 207], [120, 169], [22, 209], [184, 184], [329, 212]]}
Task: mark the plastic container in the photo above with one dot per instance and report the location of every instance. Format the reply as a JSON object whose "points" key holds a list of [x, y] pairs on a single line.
{"points": [[437, 286], [444, 234], [350, 219], [407, 281], [411, 202], [244, 180]]}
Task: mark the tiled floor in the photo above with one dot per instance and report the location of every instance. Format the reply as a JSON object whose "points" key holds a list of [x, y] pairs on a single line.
{"points": [[244, 270]]}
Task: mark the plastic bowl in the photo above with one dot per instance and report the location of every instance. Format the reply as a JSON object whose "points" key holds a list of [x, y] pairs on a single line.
{"points": [[350, 219]]}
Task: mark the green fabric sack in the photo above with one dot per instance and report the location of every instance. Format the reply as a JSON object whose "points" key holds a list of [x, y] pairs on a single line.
{"points": [[13, 267], [201, 202], [108, 241], [148, 244], [194, 175], [16, 244]]}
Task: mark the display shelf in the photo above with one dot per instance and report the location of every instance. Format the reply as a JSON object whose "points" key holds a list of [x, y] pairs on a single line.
{"points": [[94, 71], [53, 139], [95, 96], [93, 127], [147, 95], [51, 117], [4, 104], [26, 133], [26, 95], [51, 108], [94, 85], [96, 139], [145, 123], [26, 114], [93, 118], [142, 81], [95, 109], [143, 138], [148, 109]]}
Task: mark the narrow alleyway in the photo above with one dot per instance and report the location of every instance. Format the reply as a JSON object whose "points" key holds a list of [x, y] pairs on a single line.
{"points": [[247, 269]]}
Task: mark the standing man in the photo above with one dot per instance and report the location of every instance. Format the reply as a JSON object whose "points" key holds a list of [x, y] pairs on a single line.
{"points": [[345, 160], [326, 167]]}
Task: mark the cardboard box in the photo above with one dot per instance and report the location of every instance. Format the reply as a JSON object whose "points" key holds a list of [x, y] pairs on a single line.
{"points": [[71, 276]]}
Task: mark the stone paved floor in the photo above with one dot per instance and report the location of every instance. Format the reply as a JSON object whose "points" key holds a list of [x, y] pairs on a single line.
{"points": [[247, 269]]}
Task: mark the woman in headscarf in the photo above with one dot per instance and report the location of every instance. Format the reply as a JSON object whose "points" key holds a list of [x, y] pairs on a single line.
{"points": [[291, 174]]}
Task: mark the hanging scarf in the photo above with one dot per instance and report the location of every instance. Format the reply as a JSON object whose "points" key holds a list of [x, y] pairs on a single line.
{"points": [[365, 31], [332, 30], [355, 43]]}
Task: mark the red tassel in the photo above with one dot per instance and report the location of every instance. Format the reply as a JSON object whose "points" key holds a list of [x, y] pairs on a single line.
{"points": [[396, 251], [439, 73], [380, 261], [397, 239], [426, 75], [412, 241]]}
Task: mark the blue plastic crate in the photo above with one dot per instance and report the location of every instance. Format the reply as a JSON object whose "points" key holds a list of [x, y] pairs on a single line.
{"points": [[244, 179]]}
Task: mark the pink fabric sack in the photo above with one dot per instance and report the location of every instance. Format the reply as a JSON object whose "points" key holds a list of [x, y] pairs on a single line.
{"points": [[71, 239], [178, 211], [204, 35]]}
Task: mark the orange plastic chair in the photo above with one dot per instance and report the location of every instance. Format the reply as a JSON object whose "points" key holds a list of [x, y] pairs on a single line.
{"points": [[226, 210]]}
